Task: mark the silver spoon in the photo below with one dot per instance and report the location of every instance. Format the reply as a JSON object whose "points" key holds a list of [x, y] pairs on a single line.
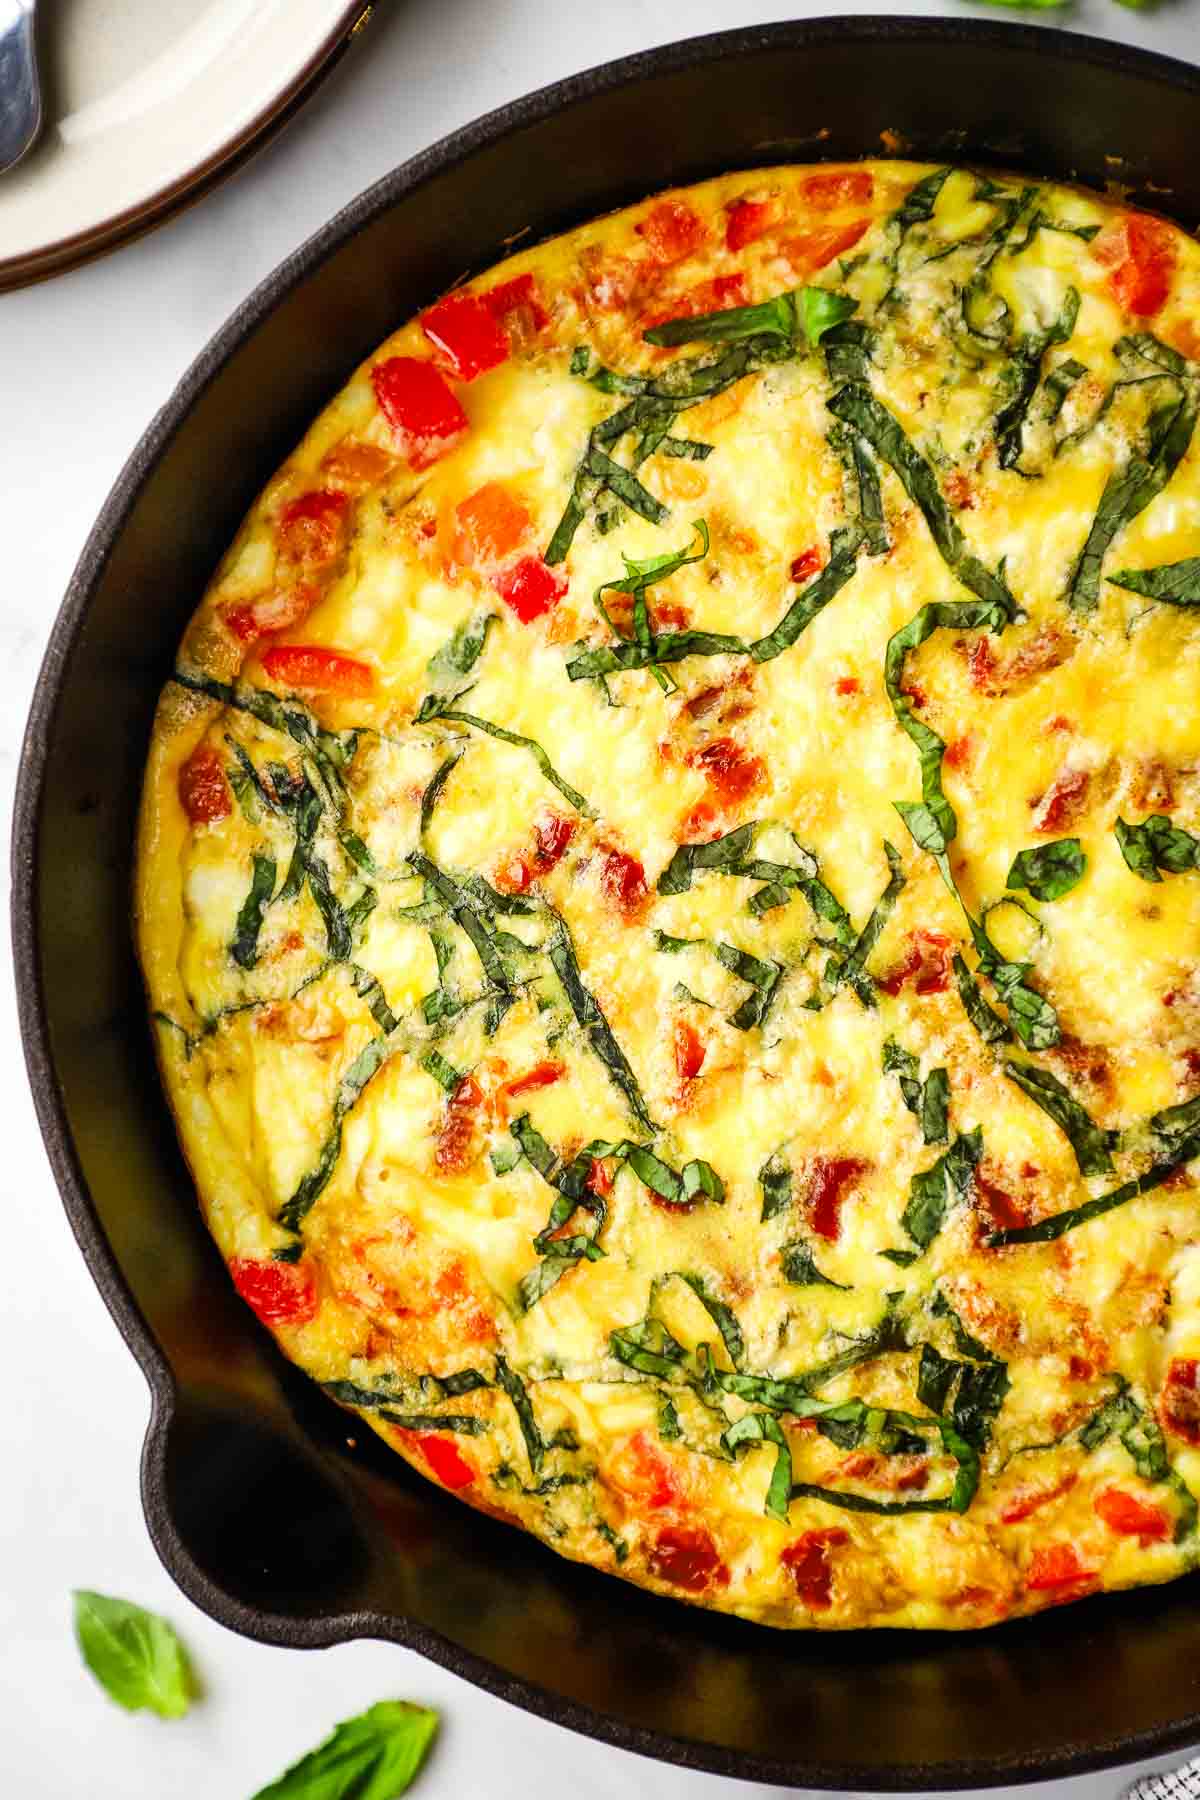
{"points": [[20, 94]]}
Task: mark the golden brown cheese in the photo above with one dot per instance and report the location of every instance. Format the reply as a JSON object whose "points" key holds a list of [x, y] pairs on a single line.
{"points": [[668, 895]]}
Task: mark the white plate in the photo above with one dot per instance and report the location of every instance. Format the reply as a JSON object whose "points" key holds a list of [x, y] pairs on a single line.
{"points": [[148, 103]]}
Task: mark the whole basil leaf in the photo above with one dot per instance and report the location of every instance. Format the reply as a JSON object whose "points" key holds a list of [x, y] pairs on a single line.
{"points": [[374, 1756], [134, 1655]]}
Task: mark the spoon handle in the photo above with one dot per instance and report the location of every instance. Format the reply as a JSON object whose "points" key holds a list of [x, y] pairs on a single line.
{"points": [[20, 92]]}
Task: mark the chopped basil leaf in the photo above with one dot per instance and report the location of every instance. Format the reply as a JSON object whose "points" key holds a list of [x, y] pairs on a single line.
{"points": [[990, 1026], [1025, 374], [465, 1424], [596, 1029], [461, 652], [1048, 871], [864, 501], [775, 1180], [1142, 1437], [763, 1428], [722, 1316], [723, 854], [805, 313], [933, 1191], [796, 1261], [1090, 1143], [927, 1100], [763, 977], [432, 794], [514, 1387], [244, 948], [1046, 1230], [1157, 844], [1177, 583], [444, 1073]]}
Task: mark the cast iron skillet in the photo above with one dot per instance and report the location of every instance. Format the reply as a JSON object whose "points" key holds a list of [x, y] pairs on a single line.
{"points": [[263, 1509]]}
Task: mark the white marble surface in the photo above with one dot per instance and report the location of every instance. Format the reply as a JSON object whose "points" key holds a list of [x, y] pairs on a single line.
{"points": [[84, 363]]}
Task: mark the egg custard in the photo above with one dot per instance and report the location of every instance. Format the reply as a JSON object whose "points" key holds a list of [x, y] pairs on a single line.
{"points": [[669, 894]]}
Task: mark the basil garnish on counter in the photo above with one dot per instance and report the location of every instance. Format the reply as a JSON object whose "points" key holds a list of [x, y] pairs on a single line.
{"points": [[375, 1756], [134, 1654]]}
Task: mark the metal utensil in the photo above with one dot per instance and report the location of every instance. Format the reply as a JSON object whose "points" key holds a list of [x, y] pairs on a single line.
{"points": [[20, 92]]}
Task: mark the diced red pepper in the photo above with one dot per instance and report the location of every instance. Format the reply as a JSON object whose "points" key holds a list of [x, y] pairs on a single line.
{"points": [[807, 1562], [543, 1074], [623, 881], [847, 684], [671, 231], [812, 250], [1055, 1567], [847, 187], [446, 1460], [689, 1050], [420, 406], [687, 1557], [1132, 1517], [491, 524], [807, 563], [515, 296], [1180, 1405], [530, 587], [829, 1181], [203, 790], [1030, 1500], [1062, 803], [1140, 253], [323, 671], [310, 528], [926, 964], [747, 221], [728, 769], [278, 1293], [641, 1469], [719, 295], [467, 335], [358, 464], [453, 1151]]}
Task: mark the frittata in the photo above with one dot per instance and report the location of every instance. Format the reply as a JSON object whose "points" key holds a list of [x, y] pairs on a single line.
{"points": [[669, 892]]}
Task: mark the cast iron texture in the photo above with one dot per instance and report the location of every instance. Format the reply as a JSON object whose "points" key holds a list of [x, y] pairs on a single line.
{"points": [[259, 1504]]}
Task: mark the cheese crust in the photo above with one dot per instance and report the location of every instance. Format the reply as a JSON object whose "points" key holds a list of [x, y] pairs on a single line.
{"points": [[668, 897]]}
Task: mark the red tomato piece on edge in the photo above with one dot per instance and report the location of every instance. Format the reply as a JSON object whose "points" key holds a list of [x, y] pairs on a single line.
{"points": [[812, 250], [278, 1293], [1139, 251], [623, 880], [203, 790], [420, 406], [807, 1562], [310, 527], [518, 295], [1180, 1404], [807, 563], [689, 1051], [455, 1141], [312, 666], [491, 524], [1132, 1517], [466, 334], [446, 1460], [687, 1557], [747, 221], [671, 231], [1055, 1568], [530, 587], [847, 187]]}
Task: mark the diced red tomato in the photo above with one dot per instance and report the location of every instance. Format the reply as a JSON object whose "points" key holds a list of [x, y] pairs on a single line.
{"points": [[446, 1460], [203, 790], [688, 1047], [807, 563], [1132, 1517], [600, 1178], [830, 1179], [1004, 1213], [420, 406], [552, 835], [1080, 1369], [312, 666], [1031, 1500], [310, 527], [530, 587], [807, 1562], [453, 1151], [1062, 803], [1180, 1404], [926, 964], [520, 295], [846, 684], [641, 1469], [278, 1293], [1056, 1567], [543, 1074], [812, 250], [846, 187], [671, 231], [706, 297], [623, 881], [687, 1557], [1140, 253], [491, 525], [242, 622], [466, 334], [728, 769], [356, 463], [747, 221]]}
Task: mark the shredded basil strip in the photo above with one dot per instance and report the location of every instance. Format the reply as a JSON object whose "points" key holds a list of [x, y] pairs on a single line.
{"points": [[514, 1387], [1090, 1143], [466, 914], [801, 314], [571, 1179], [1046, 1230], [1142, 1437], [244, 948], [775, 1181], [764, 1428], [1026, 370], [462, 651], [366, 1065], [763, 977], [588, 1014], [1048, 871], [1177, 583], [1157, 844], [843, 560], [799, 1268], [933, 1191], [722, 1316], [432, 794], [927, 1100], [435, 706], [464, 1423]]}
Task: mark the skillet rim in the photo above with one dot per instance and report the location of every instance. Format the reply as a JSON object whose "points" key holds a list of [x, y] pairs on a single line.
{"points": [[321, 1630]]}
